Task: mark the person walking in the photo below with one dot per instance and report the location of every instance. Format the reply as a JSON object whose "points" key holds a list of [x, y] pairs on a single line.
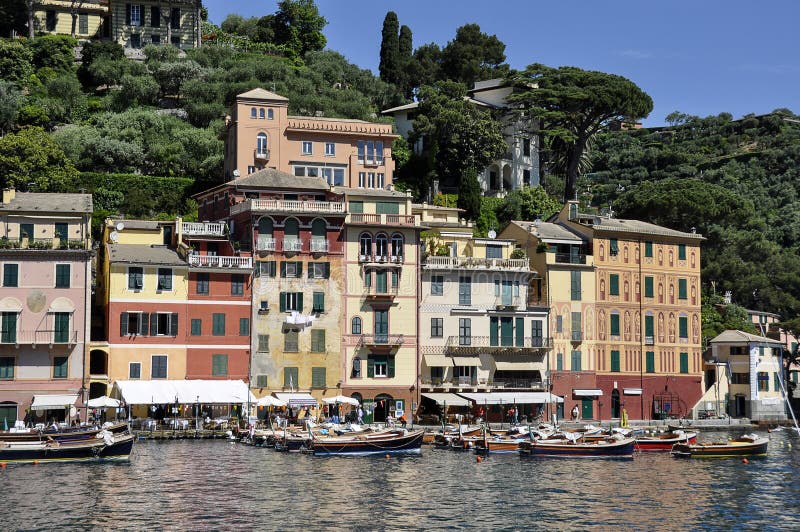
{"points": [[575, 413]]}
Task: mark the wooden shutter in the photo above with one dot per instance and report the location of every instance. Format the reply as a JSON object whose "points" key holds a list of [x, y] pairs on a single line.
{"points": [[141, 14], [143, 323], [493, 331], [173, 325], [283, 269], [123, 324], [299, 270], [520, 332], [311, 270], [127, 14], [299, 301], [615, 361], [153, 324], [370, 367], [327, 270], [390, 364], [283, 299]]}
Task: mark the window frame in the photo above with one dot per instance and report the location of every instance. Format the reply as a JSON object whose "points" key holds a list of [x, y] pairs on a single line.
{"points": [[135, 273], [164, 280], [16, 268], [218, 369], [307, 147], [218, 324], [153, 358], [437, 327], [131, 365], [60, 279]]}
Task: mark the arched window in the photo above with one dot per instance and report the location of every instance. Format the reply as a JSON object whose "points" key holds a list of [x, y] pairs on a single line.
{"points": [[291, 235], [261, 144], [318, 228], [397, 246], [270, 114], [365, 245], [381, 245], [355, 327], [252, 112], [266, 242], [261, 113]]}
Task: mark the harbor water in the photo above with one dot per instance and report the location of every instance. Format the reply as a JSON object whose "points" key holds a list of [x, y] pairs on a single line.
{"points": [[218, 485]]}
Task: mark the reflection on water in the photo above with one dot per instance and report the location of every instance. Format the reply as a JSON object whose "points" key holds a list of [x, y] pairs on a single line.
{"points": [[219, 485]]}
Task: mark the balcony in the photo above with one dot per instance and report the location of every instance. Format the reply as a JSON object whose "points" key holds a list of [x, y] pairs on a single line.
{"points": [[261, 155], [40, 337], [43, 244], [289, 206], [381, 340], [569, 258], [319, 245], [216, 261], [649, 340], [395, 220], [381, 259], [204, 228], [491, 344], [385, 293], [508, 302], [292, 245], [475, 263], [577, 336], [266, 243]]}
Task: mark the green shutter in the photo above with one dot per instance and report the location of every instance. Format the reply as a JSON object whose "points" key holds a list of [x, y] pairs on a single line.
{"points": [[60, 367], [681, 288], [283, 269], [683, 326], [615, 361], [650, 358], [560, 362], [153, 324], [390, 364], [244, 326], [299, 270], [684, 362], [318, 377], [370, 367], [615, 325], [649, 327], [493, 331], [197, 327], [357, 207], [648, 287], [506, 331], [283, 300], [648, 249], [777, 381], [327, 270], [520, 332], [613, 284], [367, 278], [290, 377], [387, 207], [575, 285], [681, 251], [319, 302], [380, 282], [173, 324], [299, 301]]}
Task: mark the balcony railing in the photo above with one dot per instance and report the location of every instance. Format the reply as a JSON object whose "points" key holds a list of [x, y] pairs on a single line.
{"points": [[508, 302], [218, 261], [261, 155], [39, 337], [266, 243], [265, 205], [204, 228], [577, 336], [392, 259], [530, 344], [460, 382], [292, 244], [390, 340], [475, 263], [383, 219], [319, 245], [569, 258], [388, 292], [43, 244]]}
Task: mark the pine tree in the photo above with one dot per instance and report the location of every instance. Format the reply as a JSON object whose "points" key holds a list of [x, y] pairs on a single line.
{"points": [[390, 59], [469, 194]]}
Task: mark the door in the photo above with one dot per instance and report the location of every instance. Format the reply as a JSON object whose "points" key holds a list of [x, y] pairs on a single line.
{"points": [[380, 281], [587, 410], [615, 403], [741, 409], [381, 326], [506, 331], [507, 298]]}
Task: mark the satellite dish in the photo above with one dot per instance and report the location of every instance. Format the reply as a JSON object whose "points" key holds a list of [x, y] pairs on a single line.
{"points": [[114, 237], [492, 233], [236, 173], [120, 226]]}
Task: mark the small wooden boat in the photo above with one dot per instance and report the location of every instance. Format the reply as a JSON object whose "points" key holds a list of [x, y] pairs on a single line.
{"points": [[613, 447], [386, 442], [67, 434], [664, 442], [747, 445], [105, 446]]}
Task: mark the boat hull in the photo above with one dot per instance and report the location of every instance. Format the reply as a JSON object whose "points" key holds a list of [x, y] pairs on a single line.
{"points": [[617, 449], [731, 449], [496, 447], [95, 450], [665, 444], [71, 434], [410, 443]]}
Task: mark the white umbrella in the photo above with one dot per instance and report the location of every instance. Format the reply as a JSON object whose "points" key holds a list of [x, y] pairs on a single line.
{"points": [[103, 402], [341, 399], [268, 400]]}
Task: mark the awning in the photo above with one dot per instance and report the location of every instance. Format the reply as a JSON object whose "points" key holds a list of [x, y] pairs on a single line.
{"points": [[53, 402], [592, 392], [103, 402], [437, 361], [297, 399], [185, 392], [450, 399], [522, 365], [507, 398], [341, 400], [466, 361], [632, 391], [268, 400]]}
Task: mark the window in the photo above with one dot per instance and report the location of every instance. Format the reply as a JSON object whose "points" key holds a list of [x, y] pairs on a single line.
{"points": [[681, 288], [308, 147], [614, 324], [494, 252], [136, 40], [763, 381], [576, 326], [218, 324], [526, 177], [613, 284], [158, 367], [318, 377], [649, 329], [244, 326], [164, 279], [219, 365], [10, 275], [163, 324], [133, 323], [291, 270], [378, 366], [6, 368], [318, 306], [202, 284], [261, 113], [613, 246], [437, 285], [267, 268], [60, 367], [135, 15], [381, 286], [381, 326], [290, 377], [740, 378], [261, 144], [253, 112], [576, 361], [684, 360], [681, 251], [367, 278], [63, 275], [683, 327], [526, 147], [575, 285], [290, 342], [650, 362], [135, 278], [437, 327], [50, 20], [464, 331], [25, 231], [175, 18], [291, 301], [263, 343], [319, 270], [330, 148], [648, 249], [465, 290], [537, 333], [61, 333], [83, 23], [317, 340], [559, 323], [362, 180], [135, 370], [365, 246], [237, 284], [382, 246], [356, 207], [648, 287], [560, 362], [155, 16], [197, 327], [355, 325], [776, 381], [270, 116], [615, 361]]}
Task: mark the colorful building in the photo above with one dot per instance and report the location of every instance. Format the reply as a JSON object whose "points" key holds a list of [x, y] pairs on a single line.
{"points": [[45, 256], [85, 20], [176, 22]]}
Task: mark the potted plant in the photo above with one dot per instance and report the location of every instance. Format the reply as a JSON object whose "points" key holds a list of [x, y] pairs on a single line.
{"points": [[518, 253], [541, 247]]}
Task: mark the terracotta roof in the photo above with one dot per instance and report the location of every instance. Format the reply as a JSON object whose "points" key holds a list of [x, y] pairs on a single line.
{"points": [[49, 202], [272, 178], [144, 254], [732, 336], [261, 94]]}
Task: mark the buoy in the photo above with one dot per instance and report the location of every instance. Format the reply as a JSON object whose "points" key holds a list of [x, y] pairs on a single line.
{"points": [[2, 465], [744, 460], [387, 456], [478, 459], [36, 462]]}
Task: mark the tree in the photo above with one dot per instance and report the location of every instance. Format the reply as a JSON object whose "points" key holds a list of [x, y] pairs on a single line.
{"points": [[54, 51], [528, 203], [10, 103], [425, 68], [172, 76], [389, 66], [92, 51], [405, 49], [469, 194], [31, 161], [473, 55], [15, 62], [574, 104], [298, 25], [13, 17]]}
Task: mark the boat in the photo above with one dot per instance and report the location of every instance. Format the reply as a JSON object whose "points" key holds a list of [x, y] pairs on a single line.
{"points": [[492, 443], [747, 445], [400, 441], [104, 446], [67, 434], [614, 447], [664, 442]]}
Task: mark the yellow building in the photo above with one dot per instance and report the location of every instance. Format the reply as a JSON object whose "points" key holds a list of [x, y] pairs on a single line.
{"points": [[135, 25], [84, 20]]}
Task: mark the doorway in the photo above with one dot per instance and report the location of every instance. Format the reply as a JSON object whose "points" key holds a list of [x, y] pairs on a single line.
{"points": [[587, 409], [740, 406], [614, 403], [384, 404]]}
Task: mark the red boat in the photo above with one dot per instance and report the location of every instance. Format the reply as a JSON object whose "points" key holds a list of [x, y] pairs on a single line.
{"points": [[664, 442]]}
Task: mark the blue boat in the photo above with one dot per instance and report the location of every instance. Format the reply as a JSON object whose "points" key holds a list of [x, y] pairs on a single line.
{"points": [[106, 446]]}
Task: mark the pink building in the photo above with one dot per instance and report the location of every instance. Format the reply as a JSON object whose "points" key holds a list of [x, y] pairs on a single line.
{"points": [[45, 258]]}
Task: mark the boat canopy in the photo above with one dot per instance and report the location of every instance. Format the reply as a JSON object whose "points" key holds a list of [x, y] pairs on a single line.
{"points": [[449, 399], [297, 399], [183, 391], [53, 402], [508, 398]]}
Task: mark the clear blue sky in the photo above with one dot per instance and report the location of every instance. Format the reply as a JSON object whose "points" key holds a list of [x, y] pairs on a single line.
{"points": [[700, 57]]}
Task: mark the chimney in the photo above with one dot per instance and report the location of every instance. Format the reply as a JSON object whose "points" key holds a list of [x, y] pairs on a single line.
{"points": [[8, 195]]}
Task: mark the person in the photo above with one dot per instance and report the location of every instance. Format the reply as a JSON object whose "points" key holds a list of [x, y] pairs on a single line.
{"points": [[512, 415], [402, 419], [481, 413], [575, 413], [360, 416], [389, 420], [307, 413]]}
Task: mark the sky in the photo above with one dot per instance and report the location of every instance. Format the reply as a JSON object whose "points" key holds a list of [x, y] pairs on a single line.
{"points": [[699, 57]]}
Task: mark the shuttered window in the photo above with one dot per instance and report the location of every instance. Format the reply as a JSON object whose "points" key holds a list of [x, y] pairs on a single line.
{"points": [[614, 325], [648, 287], [318, 377], [244, 326], [63, 275], [575, 286], [684, 360], [263, 343], [10, 275], [613, 284], [682, 289], [219, 365], [197, 327], [317, 340], [60, 367], [290, 376], [650, 362], [575, 363], [218, 324], [683, 327], [615, 361], [158, 367]]}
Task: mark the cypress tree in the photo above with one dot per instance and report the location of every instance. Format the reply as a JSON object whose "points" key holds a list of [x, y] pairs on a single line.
{"points": [[469, 194], [405, 45], [405, 49], [390, 59]]}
